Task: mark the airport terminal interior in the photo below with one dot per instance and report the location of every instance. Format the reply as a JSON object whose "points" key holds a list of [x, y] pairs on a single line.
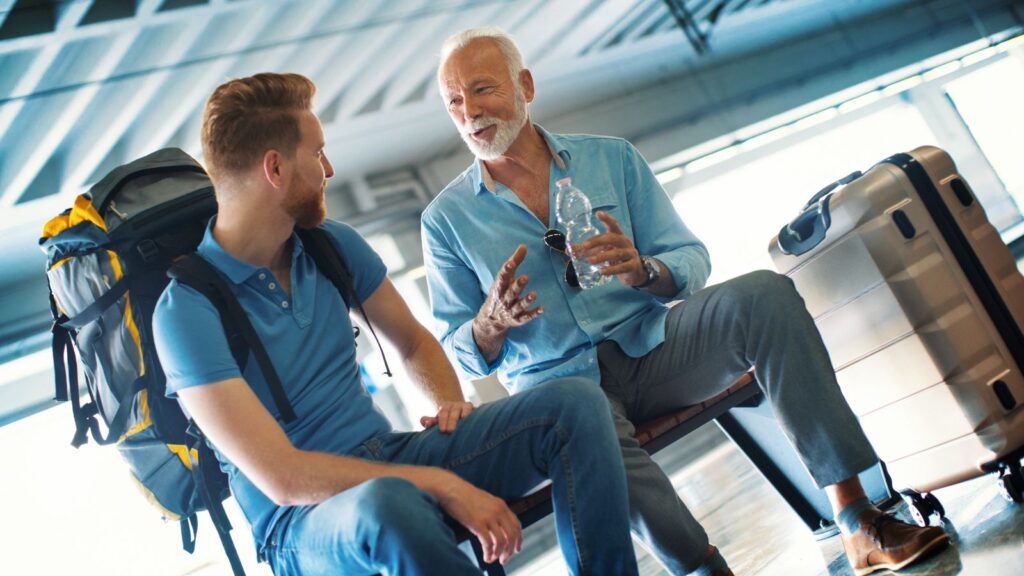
{"points": [[744, 109]]}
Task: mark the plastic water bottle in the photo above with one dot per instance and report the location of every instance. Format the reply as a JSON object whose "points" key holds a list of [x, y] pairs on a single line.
{"points": [[572, 209]]}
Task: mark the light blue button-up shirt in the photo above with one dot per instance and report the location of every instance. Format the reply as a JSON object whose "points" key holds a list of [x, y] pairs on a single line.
{"points": [[475, 224]]}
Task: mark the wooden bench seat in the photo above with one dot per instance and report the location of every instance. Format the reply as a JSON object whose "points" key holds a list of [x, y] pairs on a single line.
{"points": [[653, 436]]}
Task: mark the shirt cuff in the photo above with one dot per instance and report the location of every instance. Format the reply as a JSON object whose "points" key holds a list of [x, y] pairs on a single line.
{"points": [[469, 357], [687, 277]]}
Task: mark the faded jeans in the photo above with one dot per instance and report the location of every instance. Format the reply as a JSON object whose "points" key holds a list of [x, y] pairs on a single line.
{"points": [[562, 430]]}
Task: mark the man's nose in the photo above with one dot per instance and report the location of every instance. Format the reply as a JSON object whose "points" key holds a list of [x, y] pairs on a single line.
{"points": [[470, 108], [328, 167]]}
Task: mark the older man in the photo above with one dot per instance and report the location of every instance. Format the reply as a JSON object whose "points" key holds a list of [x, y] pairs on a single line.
{"points": [[335, 491], [520, 316]]}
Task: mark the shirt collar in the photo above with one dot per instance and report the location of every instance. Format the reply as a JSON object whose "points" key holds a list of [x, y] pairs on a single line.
{"points": [[236, 270], [556, 146]]}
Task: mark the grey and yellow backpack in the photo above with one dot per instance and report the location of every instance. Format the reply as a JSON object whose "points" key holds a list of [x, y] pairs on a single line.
{"points": [[108, 260]]}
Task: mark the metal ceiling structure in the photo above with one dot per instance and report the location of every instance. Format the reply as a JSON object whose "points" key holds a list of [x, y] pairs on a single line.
{"points": [[86, 85]]}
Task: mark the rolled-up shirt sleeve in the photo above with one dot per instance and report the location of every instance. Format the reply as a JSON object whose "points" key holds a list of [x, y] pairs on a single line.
{"points": [[455, 299], [659, 231]]}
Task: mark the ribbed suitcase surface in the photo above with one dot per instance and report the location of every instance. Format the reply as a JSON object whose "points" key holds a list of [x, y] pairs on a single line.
{"points": [[921, 306]]}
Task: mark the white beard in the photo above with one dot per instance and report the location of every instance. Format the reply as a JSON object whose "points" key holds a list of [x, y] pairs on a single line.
{"points": [[505, 134]]}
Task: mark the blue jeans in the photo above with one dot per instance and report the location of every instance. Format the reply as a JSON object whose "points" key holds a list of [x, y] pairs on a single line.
{"points": [[562, 430]]}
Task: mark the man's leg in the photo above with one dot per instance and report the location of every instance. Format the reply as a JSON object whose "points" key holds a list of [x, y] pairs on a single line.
{"points": [[561, 430], [384, 525], [657, 515], [760, 320]]}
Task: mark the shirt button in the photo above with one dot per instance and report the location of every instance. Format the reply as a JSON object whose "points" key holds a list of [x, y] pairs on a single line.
{"points": [[284, 304], [271, 285], [263, 276]]}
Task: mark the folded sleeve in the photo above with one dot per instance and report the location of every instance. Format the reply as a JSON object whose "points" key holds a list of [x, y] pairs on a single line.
{"points": [[659, 231], [455, 299]]}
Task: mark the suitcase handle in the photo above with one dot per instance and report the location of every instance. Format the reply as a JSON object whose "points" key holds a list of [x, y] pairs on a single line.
{"points": [[808, 229]]}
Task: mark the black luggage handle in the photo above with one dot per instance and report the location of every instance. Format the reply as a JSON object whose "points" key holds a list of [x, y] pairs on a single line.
{"points": [[808, 229]]}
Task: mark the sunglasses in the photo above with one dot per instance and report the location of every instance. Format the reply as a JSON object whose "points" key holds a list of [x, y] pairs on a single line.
{"points": [[555, 239]]}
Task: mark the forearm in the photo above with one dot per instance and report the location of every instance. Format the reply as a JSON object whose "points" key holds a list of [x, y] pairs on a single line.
{"points": [[489, 339], [666, 285], [313, 477], [430, 369]]}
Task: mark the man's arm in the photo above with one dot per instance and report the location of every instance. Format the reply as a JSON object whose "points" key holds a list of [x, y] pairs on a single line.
{"points": [[242, 429], [421, 354]]}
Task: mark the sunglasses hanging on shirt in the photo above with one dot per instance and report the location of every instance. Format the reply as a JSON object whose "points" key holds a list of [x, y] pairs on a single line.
{"points": [[555, 239]]}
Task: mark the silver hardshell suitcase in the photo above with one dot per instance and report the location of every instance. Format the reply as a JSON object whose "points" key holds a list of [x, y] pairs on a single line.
{"points": [[921, 306]]}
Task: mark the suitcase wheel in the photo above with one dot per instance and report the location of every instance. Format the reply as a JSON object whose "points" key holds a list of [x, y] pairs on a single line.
{"points": [[925, 508], [1011, 482]]}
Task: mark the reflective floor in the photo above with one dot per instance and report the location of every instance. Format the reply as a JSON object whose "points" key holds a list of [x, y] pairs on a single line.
{"points": [[760, 535]]}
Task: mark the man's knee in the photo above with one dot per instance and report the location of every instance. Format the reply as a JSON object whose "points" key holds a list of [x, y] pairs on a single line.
{"points": [[567, 395], [389, 501], [761, 286]]}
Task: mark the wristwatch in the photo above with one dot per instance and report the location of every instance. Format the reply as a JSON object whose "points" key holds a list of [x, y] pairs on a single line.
{"points": [[653, 272]]}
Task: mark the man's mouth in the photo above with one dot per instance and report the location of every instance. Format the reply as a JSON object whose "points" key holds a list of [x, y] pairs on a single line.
{"points": [[479, 134]]}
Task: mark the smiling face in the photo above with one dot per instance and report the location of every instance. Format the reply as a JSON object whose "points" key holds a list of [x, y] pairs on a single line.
{"points": [[311, 169], [486, 103]]}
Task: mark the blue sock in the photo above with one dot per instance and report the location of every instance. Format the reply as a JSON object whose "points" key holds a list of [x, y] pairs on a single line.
{"points": [[714, 563], [849, 517]]}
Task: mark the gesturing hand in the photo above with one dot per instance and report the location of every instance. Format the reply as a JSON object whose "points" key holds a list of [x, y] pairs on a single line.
{"points": [[448, 415], [487, 517], [503, 308], [616, 250]]}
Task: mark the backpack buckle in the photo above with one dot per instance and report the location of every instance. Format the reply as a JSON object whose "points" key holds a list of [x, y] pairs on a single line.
{"points": [[148, 250]]}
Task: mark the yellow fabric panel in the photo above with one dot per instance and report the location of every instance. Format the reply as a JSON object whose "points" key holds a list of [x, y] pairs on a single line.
{"points": [[181, 451], [152, 499], [81, 211], [56, 225], [84, 211], [129, 321], [146, 422]]}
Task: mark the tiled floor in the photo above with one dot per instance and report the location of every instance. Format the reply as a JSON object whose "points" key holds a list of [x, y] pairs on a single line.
{"points": [[760, 535]]}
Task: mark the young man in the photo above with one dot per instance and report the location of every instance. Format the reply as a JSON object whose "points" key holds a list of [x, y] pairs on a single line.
{"points": [[648, 358], [335, 491]]}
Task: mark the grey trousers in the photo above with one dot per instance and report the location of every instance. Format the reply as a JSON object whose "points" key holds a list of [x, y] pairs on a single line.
{"points": [[757, 320]]}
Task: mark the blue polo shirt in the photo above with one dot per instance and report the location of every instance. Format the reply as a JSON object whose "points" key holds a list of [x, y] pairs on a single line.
{"points": [[309, 338], [475, 224]]}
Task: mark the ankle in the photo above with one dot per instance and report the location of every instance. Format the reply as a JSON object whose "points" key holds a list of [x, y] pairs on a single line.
{"points": [[848, 519]]}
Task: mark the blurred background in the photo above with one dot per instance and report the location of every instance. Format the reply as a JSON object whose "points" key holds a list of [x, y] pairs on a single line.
{"points": [[745, 108]]}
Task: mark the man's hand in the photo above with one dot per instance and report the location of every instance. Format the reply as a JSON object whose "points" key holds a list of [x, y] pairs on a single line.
{"points": [[503, 308], [486, 516], [448, 415], [616, 251]]}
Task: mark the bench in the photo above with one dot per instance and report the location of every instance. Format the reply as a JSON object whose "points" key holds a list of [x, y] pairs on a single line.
{"points": [[653, 436]]}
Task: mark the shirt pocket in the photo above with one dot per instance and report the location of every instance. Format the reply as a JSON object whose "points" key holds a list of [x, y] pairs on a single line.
{"points": [[608, 201]]}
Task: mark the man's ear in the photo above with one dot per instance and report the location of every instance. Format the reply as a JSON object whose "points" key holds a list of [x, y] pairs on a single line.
{"points": [[273, 168], [526, 81]]}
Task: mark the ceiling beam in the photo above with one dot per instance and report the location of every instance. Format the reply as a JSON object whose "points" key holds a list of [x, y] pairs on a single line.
{"points": [[43, 147], [211, 74], [104, 135], [112, 27], [5, 8], [68, 20], [423, 64]]}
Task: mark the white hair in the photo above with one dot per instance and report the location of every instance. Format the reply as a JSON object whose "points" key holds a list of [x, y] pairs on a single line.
{"points": [[505, 43]]}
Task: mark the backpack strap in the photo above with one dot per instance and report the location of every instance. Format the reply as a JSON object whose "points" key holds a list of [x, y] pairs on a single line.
{"points": [[65, 372], [331, 262], [197, 273], [201, 462]]}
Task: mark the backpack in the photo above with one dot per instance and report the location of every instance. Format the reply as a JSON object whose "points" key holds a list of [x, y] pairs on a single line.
{"points": [[109, 258]]}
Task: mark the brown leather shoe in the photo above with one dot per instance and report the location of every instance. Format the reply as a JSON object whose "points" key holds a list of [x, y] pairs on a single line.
{"points": [[885, 543]]}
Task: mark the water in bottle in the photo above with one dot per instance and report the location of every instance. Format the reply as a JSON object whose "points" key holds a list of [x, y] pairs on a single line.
{"points": [[572, 209]]}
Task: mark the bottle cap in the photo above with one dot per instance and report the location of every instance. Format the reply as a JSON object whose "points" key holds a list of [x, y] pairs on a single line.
{"points": [[564, 182]]}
